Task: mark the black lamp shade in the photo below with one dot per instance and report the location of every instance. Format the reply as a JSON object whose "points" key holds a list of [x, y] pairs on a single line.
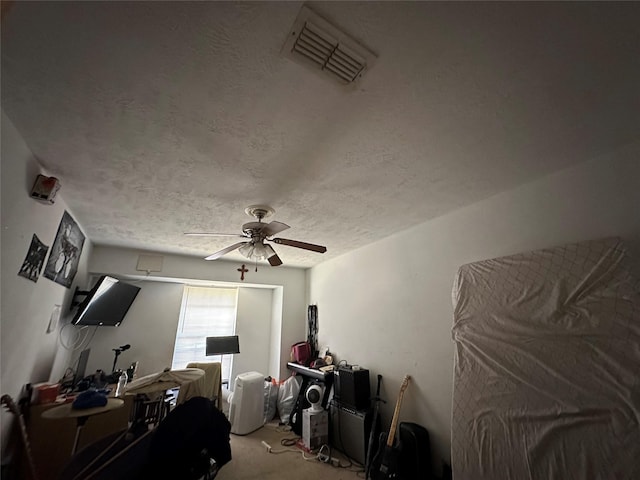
{"points": [[222, 345]]}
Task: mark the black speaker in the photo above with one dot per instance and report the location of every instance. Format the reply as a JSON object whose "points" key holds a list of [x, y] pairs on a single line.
{"points": [[351, 387], [349, 431]]}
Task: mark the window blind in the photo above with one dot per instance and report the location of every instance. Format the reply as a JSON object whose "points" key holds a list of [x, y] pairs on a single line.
{"points": [[205, 312]]}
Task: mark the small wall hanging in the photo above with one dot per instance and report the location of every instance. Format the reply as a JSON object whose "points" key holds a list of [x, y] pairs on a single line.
{"points": [[65, 252], [242, 271], [33, 262]]}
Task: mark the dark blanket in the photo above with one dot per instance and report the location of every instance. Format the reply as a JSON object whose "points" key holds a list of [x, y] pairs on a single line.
{"points": [[185, 440]]}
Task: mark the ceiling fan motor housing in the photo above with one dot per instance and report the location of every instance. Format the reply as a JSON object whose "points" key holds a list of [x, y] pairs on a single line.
{"points": [[252, 228]]}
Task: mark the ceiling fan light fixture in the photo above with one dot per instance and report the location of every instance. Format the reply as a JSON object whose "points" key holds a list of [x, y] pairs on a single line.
{"points": [[246, 250], [256, 251], [259, 251]]}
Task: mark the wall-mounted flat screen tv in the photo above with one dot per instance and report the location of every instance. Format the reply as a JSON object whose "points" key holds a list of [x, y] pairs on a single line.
{"points": [[106, 303]]}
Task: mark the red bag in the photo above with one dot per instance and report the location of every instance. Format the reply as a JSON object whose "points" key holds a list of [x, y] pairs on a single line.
{"points": [[301, 353]]}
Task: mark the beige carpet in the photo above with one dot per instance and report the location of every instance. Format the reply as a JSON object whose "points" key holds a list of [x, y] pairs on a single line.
{"points": [[252, 461]]}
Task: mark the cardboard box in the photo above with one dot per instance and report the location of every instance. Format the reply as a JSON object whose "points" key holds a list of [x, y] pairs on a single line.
{"points": [[47, 393]]}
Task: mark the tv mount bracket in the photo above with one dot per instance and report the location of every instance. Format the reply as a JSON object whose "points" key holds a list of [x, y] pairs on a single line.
{"points": [[74, 301]]}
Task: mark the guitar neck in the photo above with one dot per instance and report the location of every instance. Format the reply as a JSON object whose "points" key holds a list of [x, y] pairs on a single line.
{"points": [[8, 402], [396, 412]]}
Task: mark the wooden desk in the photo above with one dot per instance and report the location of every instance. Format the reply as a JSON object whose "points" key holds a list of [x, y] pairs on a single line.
{"points": [[52, 439], [81, 415]]}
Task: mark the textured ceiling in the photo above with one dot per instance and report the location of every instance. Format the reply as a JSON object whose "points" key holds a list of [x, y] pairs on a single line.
{"points": [[161, 118]]}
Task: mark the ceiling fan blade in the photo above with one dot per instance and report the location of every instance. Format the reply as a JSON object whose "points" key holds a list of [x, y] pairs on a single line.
{"points": [[303, 245], [224, 251], [273, 228], [206, 234], [273, 258]]}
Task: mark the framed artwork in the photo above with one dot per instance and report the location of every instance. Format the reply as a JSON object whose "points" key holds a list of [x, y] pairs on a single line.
{"points": [[33, 262], [62, 265]]}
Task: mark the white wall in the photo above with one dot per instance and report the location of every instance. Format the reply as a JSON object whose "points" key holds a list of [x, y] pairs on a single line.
{"points": [[253, 326], [275, 340], [271, 286], [28, 353], [387, 306]]}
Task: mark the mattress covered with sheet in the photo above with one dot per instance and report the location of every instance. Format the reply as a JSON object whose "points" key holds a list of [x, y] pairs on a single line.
{"points": [[547, 366]]}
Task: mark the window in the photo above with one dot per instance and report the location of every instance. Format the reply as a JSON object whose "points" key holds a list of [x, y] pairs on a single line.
{"points": [[206, 312]]}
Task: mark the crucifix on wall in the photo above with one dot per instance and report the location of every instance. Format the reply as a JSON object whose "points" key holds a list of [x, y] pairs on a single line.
{"points": [[242, 271]]}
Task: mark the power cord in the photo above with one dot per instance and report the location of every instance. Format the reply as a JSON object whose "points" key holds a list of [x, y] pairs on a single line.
{"points": [[324, 454], [289, 442], [287, 450], [75, 341]]}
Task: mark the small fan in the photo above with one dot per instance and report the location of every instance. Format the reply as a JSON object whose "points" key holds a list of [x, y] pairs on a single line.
{"points": [[258, 233]]}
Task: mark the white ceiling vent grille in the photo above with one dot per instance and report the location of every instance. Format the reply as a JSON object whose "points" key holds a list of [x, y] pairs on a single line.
{"points": [[314, 42]]}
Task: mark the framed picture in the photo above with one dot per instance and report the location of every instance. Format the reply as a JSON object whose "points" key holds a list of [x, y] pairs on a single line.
{"points": [[33, 262], [62, 265]]}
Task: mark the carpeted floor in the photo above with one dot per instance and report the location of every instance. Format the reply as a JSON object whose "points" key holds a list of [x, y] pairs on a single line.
{"points": [[252, 461]]}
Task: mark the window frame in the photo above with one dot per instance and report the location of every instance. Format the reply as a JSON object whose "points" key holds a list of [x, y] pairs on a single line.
{"points": [[195, 310]]}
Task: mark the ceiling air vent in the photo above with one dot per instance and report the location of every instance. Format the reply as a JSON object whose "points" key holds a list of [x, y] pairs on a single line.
{"points": [[314, 42]]}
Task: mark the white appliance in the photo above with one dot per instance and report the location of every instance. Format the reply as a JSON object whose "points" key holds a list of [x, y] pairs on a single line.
{"points": [[246, 403]]}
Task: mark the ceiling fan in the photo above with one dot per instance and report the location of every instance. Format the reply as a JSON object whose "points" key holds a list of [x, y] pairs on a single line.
{"points": [[257, 234]]}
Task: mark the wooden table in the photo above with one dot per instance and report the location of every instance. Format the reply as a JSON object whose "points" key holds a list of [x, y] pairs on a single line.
{"points": [[52, 438], [81, 415]]}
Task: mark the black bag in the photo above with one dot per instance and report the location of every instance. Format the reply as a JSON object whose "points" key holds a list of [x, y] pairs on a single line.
{"points": [[187, 438], [414, 461]]}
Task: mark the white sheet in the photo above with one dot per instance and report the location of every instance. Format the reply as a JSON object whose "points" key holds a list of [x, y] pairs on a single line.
{"points": [[547, 366]]}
